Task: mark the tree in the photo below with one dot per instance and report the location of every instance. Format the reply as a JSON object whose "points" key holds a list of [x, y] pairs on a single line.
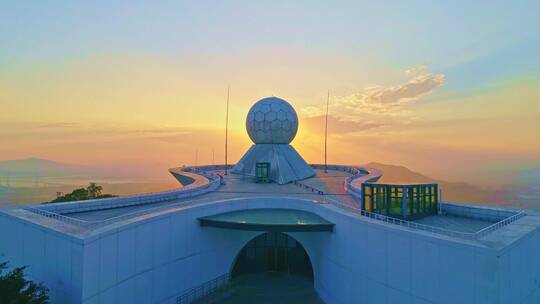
{"points": [[15, 289], [93, 191]]}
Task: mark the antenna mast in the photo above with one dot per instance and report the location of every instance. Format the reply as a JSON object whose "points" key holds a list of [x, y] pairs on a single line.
{"points": [[326, 132], [226, 128]]}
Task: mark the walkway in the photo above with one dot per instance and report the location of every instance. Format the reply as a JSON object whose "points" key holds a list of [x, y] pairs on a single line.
{"points": [[271, 288]]}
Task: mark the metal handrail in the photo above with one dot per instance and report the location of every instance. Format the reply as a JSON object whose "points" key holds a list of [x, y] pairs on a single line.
{"points": [[206, 289], [404, 223], [483, 232], [57, 216], [216, 180], [465, 235], [349, 169], [307, 187], [133, 200]]}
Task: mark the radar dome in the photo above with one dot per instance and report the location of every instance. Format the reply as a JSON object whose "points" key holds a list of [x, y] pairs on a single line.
{"points": [[272, 120]]}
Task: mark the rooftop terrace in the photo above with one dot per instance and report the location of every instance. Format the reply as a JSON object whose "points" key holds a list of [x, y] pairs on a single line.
{"points": [[338, 187], [455, 223], [233, 186]]}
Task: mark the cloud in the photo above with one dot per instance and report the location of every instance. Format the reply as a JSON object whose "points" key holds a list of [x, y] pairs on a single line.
{"points": [[416, 70], [337, 125], [391, 100], [58, 125], [385, 100]]}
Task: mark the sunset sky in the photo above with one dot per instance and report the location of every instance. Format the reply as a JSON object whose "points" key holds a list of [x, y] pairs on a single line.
{"points": [[447, 88]]}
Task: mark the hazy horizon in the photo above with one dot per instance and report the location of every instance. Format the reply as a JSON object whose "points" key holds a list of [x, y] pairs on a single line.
{"points": [[38, 180]]}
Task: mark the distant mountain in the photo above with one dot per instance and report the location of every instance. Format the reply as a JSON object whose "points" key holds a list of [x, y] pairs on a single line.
{"points": [[32, 167], [451, 191], [400, 174]]}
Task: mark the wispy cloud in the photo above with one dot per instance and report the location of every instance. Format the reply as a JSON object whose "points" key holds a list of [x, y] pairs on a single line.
{"points": [[58, 125], [416, 70], [337, 125], [385, 100]]}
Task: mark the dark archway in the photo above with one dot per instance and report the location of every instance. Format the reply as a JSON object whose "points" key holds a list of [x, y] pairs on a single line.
{"points": [[273, 252]]}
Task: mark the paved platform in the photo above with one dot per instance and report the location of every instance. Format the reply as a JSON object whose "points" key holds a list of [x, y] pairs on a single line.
{"points": [[271, 288], [236, 186], [455, 223]]}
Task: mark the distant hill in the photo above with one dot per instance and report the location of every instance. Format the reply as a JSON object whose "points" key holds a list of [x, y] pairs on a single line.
{"points": [[400, 174], [32, 167], [451, 191]]}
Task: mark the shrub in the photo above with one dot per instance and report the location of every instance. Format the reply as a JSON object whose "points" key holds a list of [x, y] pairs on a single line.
{"points": [[16, 289]]}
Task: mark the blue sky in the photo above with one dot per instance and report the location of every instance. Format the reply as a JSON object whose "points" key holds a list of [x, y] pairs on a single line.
{"points": [[473, 40], [402, 32]]}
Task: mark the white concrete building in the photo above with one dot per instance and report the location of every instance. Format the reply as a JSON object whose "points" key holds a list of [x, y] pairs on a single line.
{"points": [[170, 247]]}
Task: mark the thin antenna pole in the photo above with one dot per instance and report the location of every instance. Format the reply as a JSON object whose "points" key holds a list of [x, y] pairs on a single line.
{"points": [[196, 157], [213, 157], [326, 132], [226, 128]]}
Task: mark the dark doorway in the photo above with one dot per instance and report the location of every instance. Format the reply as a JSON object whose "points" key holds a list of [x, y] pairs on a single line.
{"points": [[273, 252], [272, 268]]}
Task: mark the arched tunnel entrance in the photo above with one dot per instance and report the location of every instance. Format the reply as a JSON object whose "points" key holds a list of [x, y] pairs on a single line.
{"points": [[273, 268], [273, 252]]}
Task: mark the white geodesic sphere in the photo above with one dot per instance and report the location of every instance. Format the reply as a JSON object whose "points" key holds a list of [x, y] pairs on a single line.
{"points": [[272, 120]]}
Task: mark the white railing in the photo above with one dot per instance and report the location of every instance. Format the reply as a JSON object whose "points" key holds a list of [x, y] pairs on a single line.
{"points": [[404, 223], [499, 224], [207, 290], [458, 234], [353, 184], [349, 169], [215, 180], [57, 210], [359, 175], [57, 216], [308, 188], [206, 168]]}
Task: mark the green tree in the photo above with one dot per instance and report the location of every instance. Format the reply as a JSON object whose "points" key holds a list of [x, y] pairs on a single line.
{"points": [[94, 190], [15, 289]]}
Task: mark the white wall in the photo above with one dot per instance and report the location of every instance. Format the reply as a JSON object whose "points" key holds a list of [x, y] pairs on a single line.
{"points": [[520, 271], [155, 260], [361, 262], [52, 258], [364, 262]]}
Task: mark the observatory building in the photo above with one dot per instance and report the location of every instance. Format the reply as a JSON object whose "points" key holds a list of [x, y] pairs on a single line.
{"points": [[274, 229], [272, 124]]}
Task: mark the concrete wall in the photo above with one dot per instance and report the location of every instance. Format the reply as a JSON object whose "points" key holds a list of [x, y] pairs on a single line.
{"points": [[156, 260], [51, 257], [361, 262], [520, 271], [365, 262]]}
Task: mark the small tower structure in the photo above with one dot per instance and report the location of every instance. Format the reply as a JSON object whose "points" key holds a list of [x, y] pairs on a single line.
{"points": [[272, 124]]}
